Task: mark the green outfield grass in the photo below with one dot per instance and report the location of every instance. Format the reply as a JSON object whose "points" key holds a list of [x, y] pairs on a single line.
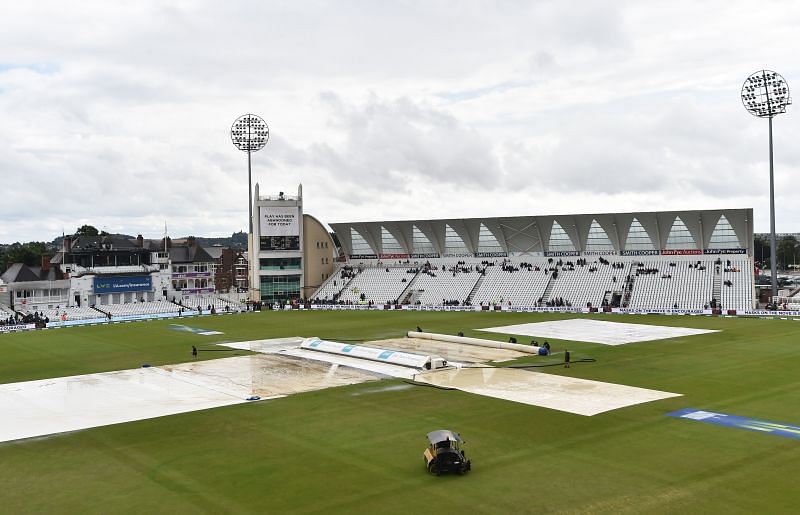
{"points": [[358, 449]]}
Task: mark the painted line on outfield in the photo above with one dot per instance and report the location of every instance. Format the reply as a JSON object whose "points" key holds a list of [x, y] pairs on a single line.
{"points": [[748, 424]]}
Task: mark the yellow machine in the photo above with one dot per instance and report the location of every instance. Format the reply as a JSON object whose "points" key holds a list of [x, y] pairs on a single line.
{"points": [[444, 453]]}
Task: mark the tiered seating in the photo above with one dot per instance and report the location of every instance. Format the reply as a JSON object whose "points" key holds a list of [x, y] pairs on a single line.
{"points": [[6, 311], [521, 288], [683, 285], [739, 295], [141, 308], [73, 313], [331, 286], [217, 302], [589, 283], [445, 285], [379, 285], [685, 281]]}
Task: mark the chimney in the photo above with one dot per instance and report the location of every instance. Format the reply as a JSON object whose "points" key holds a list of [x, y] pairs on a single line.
{"points": [[191, 241], [67, 243], [45, 262], [139, 241]]}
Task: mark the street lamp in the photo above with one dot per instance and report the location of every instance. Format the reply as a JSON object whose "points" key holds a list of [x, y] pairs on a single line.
{"points": [[249, 133], [765, 94]]}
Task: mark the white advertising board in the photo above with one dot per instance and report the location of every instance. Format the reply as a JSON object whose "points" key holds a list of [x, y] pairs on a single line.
{"points": [[279, 221]]}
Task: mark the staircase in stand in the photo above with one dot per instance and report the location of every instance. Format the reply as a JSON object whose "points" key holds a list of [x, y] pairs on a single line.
{"points": [[344, 286], [716, 291], [475, 289], [549, 288], [99, 310], [407, 292], [627, 292]]}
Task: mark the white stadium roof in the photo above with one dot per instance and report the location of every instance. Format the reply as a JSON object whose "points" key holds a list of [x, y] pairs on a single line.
{"points": [[644, 233]]}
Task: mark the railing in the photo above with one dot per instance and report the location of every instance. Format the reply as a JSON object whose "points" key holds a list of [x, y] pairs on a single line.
{"points": [[78, 270]]}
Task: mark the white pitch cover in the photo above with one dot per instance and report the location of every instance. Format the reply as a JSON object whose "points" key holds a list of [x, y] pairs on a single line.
{"points": [[362, 351]]}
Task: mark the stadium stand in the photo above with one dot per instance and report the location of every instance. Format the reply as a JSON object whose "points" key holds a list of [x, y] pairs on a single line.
{"points": [[206, 302], [512, 281], [6, 311], [141, 308], [737, 284], [333, 286], [644, 260], [439, 287], [588, 282], [672, 284], [377, 284], [69, 313]]}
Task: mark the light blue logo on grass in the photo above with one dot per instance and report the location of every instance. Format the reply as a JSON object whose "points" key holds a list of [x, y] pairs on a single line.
{"points": [[385, 354], [195, 330], [749, 424]]}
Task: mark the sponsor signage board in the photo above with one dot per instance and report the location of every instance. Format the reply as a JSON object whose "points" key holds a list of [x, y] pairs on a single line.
{"points": [[456, 254], [429, 255], [18, 327], [655, 311], [363, 256], [639, 253], [681, 252], [490, 254], [122, 284], [600, 253], [197, 290], [393, 256], [767, 312], [279, 221], [189, 275], [561, 253], [724, 251]]}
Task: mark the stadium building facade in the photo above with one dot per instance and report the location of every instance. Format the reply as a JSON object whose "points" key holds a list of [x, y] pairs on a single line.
{"points": [[111, 270], [291, 253]]}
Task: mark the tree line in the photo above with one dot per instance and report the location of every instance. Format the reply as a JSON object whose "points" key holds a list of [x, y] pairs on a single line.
{"points": [[787, 251]]}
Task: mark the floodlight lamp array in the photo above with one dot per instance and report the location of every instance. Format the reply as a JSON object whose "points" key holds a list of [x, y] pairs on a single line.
{"points": [[765, 94], [249, 133]]}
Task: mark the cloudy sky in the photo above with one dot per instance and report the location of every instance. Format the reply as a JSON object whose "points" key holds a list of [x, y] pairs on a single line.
{"points": [[117, 114]]}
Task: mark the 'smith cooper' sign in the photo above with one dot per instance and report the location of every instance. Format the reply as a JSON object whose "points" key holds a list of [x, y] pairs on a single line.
{"points": [[279, 221]]}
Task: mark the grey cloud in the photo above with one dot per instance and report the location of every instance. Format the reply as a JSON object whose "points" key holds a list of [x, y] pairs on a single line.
{"points": [[393, 109], [388, 141]]}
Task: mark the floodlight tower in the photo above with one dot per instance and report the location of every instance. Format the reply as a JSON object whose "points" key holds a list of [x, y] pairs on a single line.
{"points": [[765, 94], [249, 133]]}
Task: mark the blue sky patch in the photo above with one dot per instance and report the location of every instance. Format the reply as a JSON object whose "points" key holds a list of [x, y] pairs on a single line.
{"points": [[43, 68]]}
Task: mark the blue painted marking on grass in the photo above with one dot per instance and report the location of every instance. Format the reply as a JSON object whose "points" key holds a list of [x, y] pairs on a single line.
{"points": [[348, 348], [749, 424], [315, 343], [385, 354]]}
